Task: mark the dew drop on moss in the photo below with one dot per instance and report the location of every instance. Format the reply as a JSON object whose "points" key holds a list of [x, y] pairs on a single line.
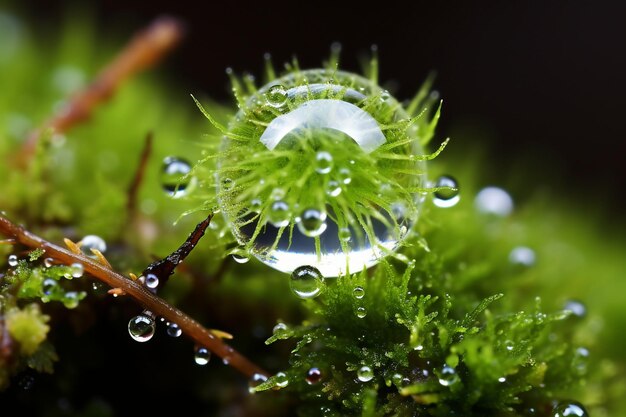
{"points": [[90, 242], [12, 260], [279, 328], [312, 222], [240, 255], [201, 356], [71, 299], [345, 235], [306, 282], [313, 376], [256, 380], [577, 308], [449, 196], [75, 270], [281, 380], [151, 281], [141, 328], [48, 286], [361, 312], [523, 256], [323, 162], [365, 374], [494, 201], [345, 176], [569, 409], [358, 292], [174, 330], [333, 189], [175, 178], [279, 214], [276, 96], [48, 262], [448, 376]]}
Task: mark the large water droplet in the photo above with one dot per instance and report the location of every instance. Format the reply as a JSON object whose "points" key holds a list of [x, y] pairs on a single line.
{"points": [[345, 176], [48, 262], [279, 328], [306, 282], [279, 214], [175, 178], [141, 328], [358, 292], [281, 380], [202, 356], [90, 242], [75, 271], [446, 197], [313, 376], [151, 281], [12, 260], [361, 312], [522, 255], [365, 374], [569, 409], [323, 162], [240, 255], [333, 189], [276, 96], [495, 201], [312, 222], [448, 376]]}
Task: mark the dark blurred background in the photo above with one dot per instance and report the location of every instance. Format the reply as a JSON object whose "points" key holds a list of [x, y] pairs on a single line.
{"points": [[538, 85]]}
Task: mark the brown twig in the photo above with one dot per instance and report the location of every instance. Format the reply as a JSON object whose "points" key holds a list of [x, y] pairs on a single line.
{"points": [[143, 51], [158, 306], [133, 189]]}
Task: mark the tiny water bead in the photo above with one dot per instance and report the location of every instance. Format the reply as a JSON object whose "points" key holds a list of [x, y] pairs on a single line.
{"points": [[361, 312], [569, 409], [75, 270], [279, 328], [141, 328], [448, 376], [365, 374], [151, 281], [358, 292], [201, 356], [174, 330], [494, 201], [312, 222], [304, 150], [281, 379], [175, 177], [12, 260], [313, 376], [90, 242], [449, 195], [306, 282]]}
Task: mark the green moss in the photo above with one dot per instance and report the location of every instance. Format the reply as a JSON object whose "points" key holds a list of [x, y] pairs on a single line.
{"points": [[28, 327]]}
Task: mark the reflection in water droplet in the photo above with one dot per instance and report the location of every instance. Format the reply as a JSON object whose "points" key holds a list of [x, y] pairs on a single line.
{"points": [[141, 328], [333, 189], [151, 281], [345, 176], [12, 260], [358, 292], [323, 162], [448, 376], [365, 374], [279, 328], [175, 178], [48, 262], [495, 201], [279, 214], [306, 282], [312, 222], [522, 255], [361, 312], [281, 380], [569, 409], [255, 381], [76, 270], [313, 376], [276, 96], [240, 255], [576, 307], [201, 356], [90, 242], [446, 197], [48, 286], [174, 330]]}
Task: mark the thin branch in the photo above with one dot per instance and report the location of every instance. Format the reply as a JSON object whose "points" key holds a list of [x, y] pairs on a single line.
{"points": [[143, 51], [133, 189], [191, 328]]}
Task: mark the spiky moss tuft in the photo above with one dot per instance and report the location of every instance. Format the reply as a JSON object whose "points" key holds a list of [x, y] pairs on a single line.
{"points": [[273, 165]]}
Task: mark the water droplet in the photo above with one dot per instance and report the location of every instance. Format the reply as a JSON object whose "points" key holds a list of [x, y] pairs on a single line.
{"points": [[48, 286], [71, 299], [569, 409], [446, 197], [174, 330], [227, 184], [313, 376], [277, 194], [306, 282], [255, 381], [202, 356], [323, 162], [12, 260], [345, 176], [448, 376], [312, 222], [256, 204], [141, 328], [344, 234], [90, 242], [276, 96], [577, 308], [333, 189], [240, 255], [279, 328], [77, 270], [495, 201], [151, 281], [281, 380], [279, 214], [522, 255], [358, 292], [501, 379], [48, 262], [175, 178], [365, 374], [361, 312]]}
